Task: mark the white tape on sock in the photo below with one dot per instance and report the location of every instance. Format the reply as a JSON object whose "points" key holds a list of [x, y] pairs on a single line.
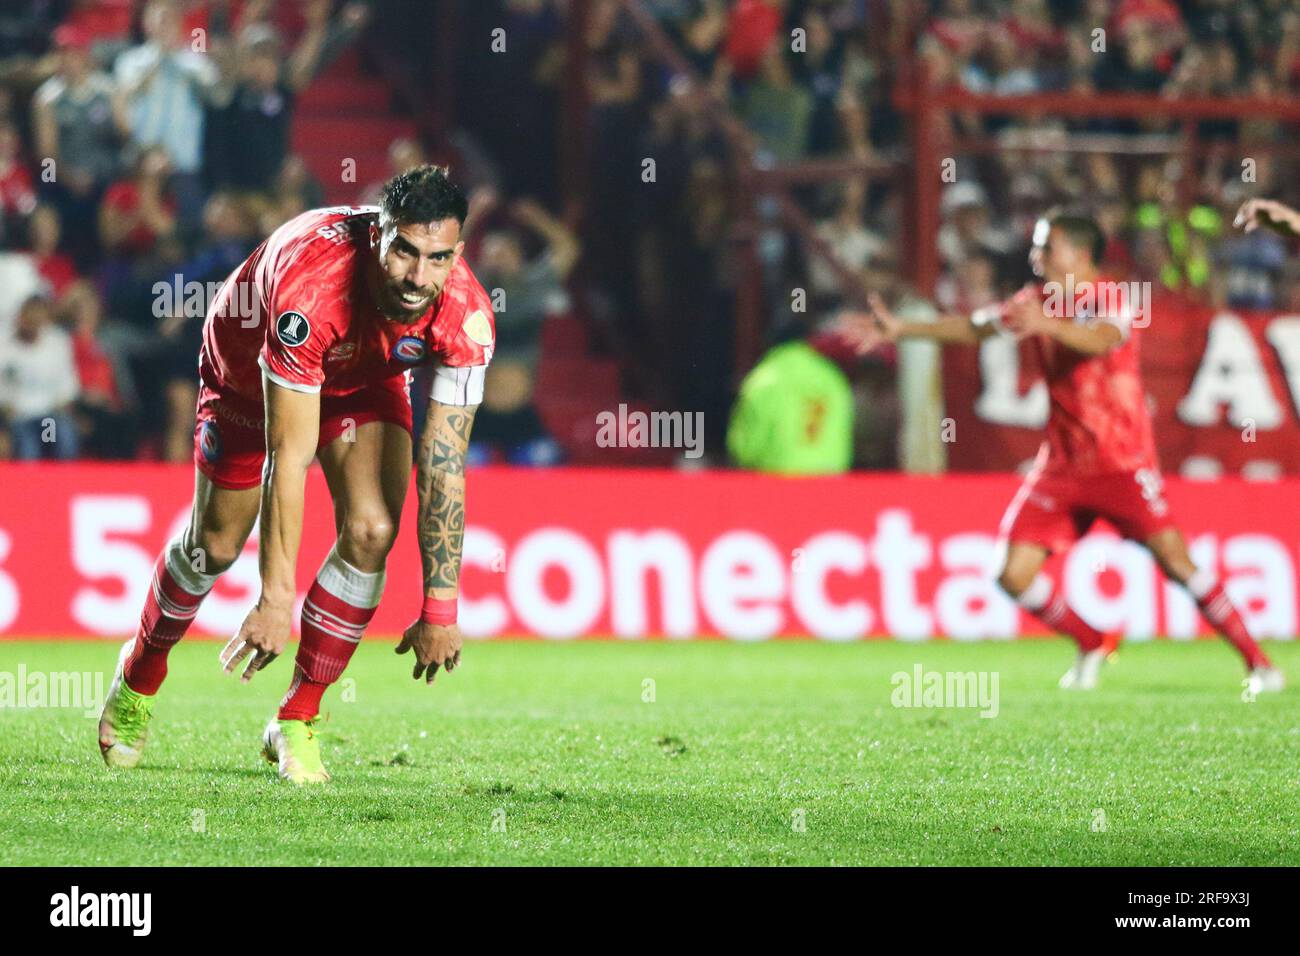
{"points": [[1036, 596], [1201, 583], [358, 588], [187, 567]]}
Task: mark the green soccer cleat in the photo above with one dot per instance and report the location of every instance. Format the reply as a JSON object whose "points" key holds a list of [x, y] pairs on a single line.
{"points": [[124, 724], [294, 746]]}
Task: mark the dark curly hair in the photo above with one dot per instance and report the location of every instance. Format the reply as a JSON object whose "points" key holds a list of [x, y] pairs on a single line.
{"points": [[1084, 231], [423, 194]]}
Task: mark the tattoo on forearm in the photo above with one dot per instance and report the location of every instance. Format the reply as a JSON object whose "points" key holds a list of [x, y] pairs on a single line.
{"points": [[442, 497]]}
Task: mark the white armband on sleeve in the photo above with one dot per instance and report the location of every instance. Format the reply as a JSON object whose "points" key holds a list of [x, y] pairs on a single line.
{"points": [[458, 386]]}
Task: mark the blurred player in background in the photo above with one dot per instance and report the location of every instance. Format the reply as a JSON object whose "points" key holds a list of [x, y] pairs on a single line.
{"points": [[307, 354], [1099, 458]]}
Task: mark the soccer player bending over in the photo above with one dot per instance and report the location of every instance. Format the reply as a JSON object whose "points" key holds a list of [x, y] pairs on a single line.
{"points": [[1099, 458], [307, 354]]}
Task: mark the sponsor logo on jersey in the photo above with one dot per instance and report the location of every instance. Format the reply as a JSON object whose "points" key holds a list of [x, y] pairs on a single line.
{"points": [[238, 419], [478, 328], [341, 353], [210, 442], [292, 328], [409, 349]]}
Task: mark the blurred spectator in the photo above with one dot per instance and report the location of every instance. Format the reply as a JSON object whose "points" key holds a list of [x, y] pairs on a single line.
{"points": [[1253, 264], [967, 228], [296, 189], [529, 290], [614, 73], [1152, 261], [137, 216], [752, 28], [228, 239], [524, 292], [17, 196], [777, 109], [106, 423], [249, 124], [25, 28], [19, 281], [820, 69], [403, 154], [80, 122], [1010, 72], [973, 286], [1189, 233], [854, 244], [958, 28], [56, 267], [38, 384], [105, 25], [166, 83], [138, 211]]}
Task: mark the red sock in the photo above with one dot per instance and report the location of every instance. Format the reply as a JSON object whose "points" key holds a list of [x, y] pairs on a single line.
{"points": [[168, 610], [1223, 617], [1050, 608], [1057, 615], [338, 607]]}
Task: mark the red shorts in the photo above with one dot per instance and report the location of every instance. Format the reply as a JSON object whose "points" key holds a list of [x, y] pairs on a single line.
{"points": [[230, 433], [1054, 511]]}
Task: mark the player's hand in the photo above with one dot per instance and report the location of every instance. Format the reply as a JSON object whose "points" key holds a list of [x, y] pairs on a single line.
{"points": [[888, 323], [859, 330], [435, 645], [1266, 212], [867, 331], [263, 635], [1024, 315]]}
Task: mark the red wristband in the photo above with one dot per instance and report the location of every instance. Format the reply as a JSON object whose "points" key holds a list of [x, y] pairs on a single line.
{"points": [[438, 611]]}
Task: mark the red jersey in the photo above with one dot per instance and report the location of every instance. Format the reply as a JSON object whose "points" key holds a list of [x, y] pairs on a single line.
{"points": [[1097, 422], [299, 308]]}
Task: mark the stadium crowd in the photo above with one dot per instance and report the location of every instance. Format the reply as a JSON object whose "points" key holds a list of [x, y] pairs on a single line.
{"points": [[126, 156], [138, 143], [816, 79]]}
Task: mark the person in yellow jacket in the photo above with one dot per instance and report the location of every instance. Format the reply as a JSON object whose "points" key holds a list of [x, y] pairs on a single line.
{"points": [[793, 415]]}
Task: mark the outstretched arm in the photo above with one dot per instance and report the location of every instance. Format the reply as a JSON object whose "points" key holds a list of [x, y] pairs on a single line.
{"points": [[868, 331], [440, 481]]}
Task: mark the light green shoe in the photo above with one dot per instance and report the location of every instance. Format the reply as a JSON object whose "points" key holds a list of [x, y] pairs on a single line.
{"points": [[124, 724], [294, 746]]}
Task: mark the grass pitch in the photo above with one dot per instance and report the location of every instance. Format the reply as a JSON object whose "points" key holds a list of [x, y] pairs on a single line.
{"points": [[781, 753]]}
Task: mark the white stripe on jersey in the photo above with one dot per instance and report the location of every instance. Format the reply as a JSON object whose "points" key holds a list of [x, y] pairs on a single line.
{"points": [[284, 382]]}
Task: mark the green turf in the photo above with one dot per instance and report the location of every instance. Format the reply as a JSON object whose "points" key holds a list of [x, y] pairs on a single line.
{"points": [[740, 744]]}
